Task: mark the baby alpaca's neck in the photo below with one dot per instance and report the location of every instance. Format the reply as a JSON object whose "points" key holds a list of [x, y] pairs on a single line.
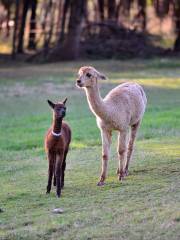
{"points": [[56, 125]]}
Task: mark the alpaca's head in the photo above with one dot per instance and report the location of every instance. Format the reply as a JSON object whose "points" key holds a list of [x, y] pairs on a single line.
{"points": [[88, 76], [59, 109]]}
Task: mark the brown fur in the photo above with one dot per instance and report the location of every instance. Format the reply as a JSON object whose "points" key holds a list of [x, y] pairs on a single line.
{"points": [[57, 147]]}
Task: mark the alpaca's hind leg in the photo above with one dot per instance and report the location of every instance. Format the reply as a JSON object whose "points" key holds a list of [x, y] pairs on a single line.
{"points": [[51, 158], [58, 170], [106, 142], [54, 173], [63, 169], [122, 153], [134, 129]]}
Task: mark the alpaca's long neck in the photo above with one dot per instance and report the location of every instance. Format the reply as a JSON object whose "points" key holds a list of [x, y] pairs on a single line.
{"points": [[95, 101], [56, 125]]}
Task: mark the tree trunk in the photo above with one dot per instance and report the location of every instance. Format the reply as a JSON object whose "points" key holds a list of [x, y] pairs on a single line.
{"points": [[118, 7], [58, 25], [111, 9], [7, 20], [15, 29], [71, 45], [65, 10], [52, 8], [125, 7], [101, 9], [162, 7], [142, 13], [69, 50], [22, 27], [177, 25], [32, 34]]}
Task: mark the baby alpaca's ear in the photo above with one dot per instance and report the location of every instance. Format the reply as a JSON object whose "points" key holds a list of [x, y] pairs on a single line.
{"points": [[64, 102], [51, 104]]}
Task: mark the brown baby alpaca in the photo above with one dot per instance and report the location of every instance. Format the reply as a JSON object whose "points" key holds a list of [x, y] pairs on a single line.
{"points": [[57, 142]]}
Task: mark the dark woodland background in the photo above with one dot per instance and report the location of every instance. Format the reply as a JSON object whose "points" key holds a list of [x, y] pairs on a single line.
{"points": [[52, 30]]}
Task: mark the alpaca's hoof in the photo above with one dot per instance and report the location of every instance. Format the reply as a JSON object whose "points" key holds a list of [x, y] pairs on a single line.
{"points": [[99, 184], [58, 195], [121, 176]]}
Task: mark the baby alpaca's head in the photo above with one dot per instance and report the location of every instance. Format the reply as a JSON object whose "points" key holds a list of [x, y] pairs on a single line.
{"points": [[59, 109], [88, 76]]}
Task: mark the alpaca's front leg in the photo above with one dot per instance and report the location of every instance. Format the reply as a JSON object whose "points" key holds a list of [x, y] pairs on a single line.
{"points": [[106, 142], [122, 153], [51, 159]]}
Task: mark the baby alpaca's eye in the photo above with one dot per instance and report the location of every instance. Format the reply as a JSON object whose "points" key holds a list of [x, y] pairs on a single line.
{"points": [[88, 75]]}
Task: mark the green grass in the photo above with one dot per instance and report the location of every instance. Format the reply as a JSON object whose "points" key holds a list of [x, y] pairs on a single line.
{"points": [[145, 206]]}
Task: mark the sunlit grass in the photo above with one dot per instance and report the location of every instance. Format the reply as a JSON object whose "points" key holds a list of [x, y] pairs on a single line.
{"points": [[169, 148], [173, 83]]}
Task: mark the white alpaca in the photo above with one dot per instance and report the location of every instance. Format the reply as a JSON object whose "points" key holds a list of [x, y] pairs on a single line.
{"points": [[123, 107]]}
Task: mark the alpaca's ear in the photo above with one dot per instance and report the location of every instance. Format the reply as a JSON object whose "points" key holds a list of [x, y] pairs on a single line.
{"points": [[64, 102], [51, 104], [101, 75]]}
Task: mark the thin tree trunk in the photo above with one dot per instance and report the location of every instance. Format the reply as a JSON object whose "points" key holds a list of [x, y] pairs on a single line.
{"points": [[119, 5], [111, 9], [22, 28], [142, 13], [46, 33], [7, 20], [101, 9], [177, 25], [65, 10], [15, 30], [32, 34], [52, 7], [58, 26]]}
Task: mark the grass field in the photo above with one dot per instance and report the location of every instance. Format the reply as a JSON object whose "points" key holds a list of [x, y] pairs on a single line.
{"points": [[145, 206]]}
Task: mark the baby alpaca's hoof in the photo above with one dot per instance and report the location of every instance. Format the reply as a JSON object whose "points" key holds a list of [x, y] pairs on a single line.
{"points": [[99, 184], [58, 194]]}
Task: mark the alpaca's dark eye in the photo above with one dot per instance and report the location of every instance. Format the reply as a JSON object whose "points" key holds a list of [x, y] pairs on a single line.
{"points": [[88, 75]]}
